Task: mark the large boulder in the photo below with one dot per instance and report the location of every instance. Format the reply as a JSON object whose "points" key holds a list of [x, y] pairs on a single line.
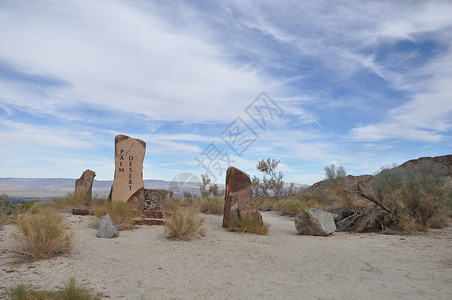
{"points": [[84, 186], [315, 221], [238, 199], [107, 229], [128, 184]]}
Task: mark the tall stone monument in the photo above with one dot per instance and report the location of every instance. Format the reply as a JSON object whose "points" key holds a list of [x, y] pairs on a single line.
{"points": [[128, 183], [84, 186], [238, 198]]}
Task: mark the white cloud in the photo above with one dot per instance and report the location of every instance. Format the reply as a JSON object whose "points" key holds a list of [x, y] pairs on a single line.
{"points": [[118, 57]]}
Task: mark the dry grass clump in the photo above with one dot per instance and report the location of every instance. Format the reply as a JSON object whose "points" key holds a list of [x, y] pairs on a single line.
{"points": [[184, 224], [212, 205], [71, 291], [120, 212], [248, 225], [42, 234]]}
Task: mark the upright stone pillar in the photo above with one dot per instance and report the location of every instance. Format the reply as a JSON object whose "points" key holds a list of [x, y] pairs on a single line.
{"points": [[238, 198], [84, 186], [128, 183]]}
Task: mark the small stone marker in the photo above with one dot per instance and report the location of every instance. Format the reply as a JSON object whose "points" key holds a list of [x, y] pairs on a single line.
{"points": [[238, 198], [315, 221], [128, 183], [84, 186], [107, 229]]}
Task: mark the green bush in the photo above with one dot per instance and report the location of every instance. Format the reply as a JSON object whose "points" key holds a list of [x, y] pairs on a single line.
{"points": [[71, 291], [248, 225], [29, 204], [184, 224], [42, 234]]}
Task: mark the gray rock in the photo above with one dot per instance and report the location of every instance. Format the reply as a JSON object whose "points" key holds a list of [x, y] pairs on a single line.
{"points": [[107, 229], [315, 221]]}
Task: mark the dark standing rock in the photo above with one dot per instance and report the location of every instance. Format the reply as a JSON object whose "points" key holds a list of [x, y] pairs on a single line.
{"points": [[84, 186], [315, 221], [128, 183], [238, 199], [107, 229]]}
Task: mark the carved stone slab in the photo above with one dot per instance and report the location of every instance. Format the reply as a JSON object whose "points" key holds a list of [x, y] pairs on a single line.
{"points": [[128, 183], [238, 199], [84, 186], [155, 198]]}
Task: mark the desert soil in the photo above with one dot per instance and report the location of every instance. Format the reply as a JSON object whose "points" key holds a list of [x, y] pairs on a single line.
{"points": [[143, 264]]}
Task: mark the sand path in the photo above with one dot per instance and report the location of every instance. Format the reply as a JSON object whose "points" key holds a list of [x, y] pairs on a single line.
{"points": [[143, 264]]}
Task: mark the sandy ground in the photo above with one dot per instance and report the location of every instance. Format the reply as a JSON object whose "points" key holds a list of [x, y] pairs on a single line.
{"points": [[143, 264]]}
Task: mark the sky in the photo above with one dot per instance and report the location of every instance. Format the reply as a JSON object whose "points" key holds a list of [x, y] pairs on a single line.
{"points": [[208, 84]]}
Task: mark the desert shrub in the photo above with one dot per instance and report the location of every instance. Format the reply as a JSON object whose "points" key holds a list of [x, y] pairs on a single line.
{"points": [[98, 201], [212, 205], [42, 234], [317, 199], [70, 201], [71, 291], [121, 213], [265, 203], [184, 224], [3, 217], [248, 225], [29, 204], [290, 206], [274, 182], [417, 194], [174, 204]]}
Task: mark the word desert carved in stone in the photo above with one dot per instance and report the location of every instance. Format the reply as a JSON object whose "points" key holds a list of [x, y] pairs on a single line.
{"points": [[128, 182]]}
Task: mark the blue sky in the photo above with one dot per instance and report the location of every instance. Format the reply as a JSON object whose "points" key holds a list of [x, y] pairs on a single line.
{"points": [[362, 84]]}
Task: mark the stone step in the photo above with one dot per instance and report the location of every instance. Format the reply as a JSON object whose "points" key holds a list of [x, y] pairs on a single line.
{"points": [[148, 221], [83, 211], [157, 214]]}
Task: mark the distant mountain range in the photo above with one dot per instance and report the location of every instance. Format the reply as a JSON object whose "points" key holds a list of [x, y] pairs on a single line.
{"points": [[46, 188], [21, 189], [59, 187]]}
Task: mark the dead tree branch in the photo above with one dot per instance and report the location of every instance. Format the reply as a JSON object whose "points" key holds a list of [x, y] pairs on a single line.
{"points": [[370, 198]]}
